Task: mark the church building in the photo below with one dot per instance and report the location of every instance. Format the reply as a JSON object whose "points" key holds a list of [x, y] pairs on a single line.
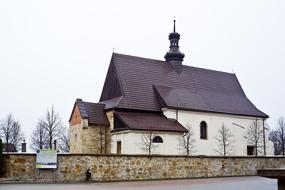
{"points": [[165, 107]]}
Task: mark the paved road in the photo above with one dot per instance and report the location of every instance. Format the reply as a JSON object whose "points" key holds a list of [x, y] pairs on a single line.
{"points": [[233, 183]]}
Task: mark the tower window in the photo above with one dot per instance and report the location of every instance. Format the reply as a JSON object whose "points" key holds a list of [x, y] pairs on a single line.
{"points": [[203, 130], [157, 139]]}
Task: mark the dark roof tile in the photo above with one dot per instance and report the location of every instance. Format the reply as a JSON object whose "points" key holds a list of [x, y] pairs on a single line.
{"points": [[148, 121], [214, 91], [94, 112]]}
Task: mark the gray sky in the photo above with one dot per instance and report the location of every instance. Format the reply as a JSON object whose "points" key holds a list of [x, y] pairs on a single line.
{"points": [[52, 52]]}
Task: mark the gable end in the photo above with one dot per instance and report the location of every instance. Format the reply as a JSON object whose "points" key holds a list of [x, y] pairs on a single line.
{"points": [[112, 87]]}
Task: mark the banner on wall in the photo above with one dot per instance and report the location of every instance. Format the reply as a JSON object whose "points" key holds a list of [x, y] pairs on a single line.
{"points": [[46, 159]]}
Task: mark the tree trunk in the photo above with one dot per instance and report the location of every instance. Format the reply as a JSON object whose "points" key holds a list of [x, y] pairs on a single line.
{"points": [[6, 148], [225, 152], [50, 144], [282, 140], [256, 149]]}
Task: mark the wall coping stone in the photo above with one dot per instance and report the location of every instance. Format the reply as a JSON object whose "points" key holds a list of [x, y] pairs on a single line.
{"points": [[153, 155]]}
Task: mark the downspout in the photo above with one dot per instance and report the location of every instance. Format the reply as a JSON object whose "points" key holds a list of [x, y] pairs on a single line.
{"points": [[264, 145]]}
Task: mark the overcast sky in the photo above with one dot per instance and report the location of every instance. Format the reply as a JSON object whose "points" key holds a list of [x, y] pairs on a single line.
{"points": [[52, 52]]}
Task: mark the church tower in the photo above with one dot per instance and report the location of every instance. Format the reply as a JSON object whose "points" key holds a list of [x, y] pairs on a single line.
{"points": [[174, 56]]}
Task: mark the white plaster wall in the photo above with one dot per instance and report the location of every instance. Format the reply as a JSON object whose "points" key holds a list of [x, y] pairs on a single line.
{"points": [[214, 122], [132, 143]]}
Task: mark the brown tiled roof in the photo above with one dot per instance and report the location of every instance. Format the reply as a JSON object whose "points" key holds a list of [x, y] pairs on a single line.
{"points": [[146, 121], [137, 79], [203, 100], [94, 112], [111, 103]]}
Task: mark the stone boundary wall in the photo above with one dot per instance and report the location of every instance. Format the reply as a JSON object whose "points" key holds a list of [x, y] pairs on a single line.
{"points": [[72, 167]]}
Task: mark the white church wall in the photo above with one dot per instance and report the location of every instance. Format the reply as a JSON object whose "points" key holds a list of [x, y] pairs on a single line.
{"points": [[132, 143], [238, 126]]}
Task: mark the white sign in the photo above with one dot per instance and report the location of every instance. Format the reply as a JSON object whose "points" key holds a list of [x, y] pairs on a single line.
{"points": [[46, 159]]}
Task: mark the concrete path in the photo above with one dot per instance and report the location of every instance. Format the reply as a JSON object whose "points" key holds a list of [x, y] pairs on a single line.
{"points": [[232, 183]]}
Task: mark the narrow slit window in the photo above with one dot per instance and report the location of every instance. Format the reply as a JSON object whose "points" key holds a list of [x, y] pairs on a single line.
{"points": [[203, 130]]}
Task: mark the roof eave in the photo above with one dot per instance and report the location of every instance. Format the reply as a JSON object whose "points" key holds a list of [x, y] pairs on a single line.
{"points": [[265, 116], [130, 129]]}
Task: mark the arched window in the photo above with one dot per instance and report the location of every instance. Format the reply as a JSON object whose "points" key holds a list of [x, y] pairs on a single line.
{"points": [[157, 139], [203, 130]]}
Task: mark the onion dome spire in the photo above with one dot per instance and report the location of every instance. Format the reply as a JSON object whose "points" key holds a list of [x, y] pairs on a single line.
{"points": [[174, 56]]}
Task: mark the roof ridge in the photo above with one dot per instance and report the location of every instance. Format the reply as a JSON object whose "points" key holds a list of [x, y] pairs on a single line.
{"points": [[98, 103], [212, 70], [187, 66], [138, 57]]}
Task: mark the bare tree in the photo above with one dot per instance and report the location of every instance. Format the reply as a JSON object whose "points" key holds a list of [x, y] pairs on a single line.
{"points": [[64, 140], [277, 136], [254, 136], [11, 132], [281, 133], [53, 127], [147, 144], [2, 166], [186, 141], [39, 137], [103, 139], [7, 130], [224, 140], [17, 135], [50, 133]]}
